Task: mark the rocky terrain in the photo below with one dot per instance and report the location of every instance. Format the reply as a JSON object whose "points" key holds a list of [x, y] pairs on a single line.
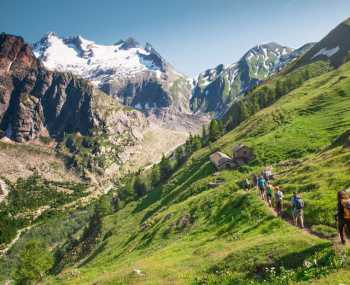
{"points": [[45, 106], [137, 76], [62, 112]]}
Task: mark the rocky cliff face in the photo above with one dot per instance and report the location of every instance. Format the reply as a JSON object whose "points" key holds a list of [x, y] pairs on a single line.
{"points": [[34, 101], [137, 76]]}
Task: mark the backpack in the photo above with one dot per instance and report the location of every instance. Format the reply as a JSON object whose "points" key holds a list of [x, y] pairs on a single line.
{"points": [[346, 206], [299, 203], [261, 182], [278, 196], [270, 191]]}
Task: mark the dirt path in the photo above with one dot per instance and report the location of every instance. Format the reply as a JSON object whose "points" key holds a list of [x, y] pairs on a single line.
{"points": [[82, 201], [3, 190], [306, 230], [18, 235]]}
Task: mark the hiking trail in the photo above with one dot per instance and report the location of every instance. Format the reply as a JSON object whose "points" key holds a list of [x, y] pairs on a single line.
{"points": [[307, 230]]}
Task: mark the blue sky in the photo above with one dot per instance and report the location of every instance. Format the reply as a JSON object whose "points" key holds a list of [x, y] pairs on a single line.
{"points": [[193, 35]]}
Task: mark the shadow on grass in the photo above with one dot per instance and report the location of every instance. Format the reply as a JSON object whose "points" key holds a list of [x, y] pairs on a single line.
{"points": [[96, 252], [198, 171]]}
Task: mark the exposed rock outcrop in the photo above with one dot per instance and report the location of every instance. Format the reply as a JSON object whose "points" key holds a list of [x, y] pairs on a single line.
{"points": [[137, 76], [35, 102]]}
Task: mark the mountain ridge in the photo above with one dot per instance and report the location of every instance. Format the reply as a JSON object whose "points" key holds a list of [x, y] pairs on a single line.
{"points": [[219, 87], [123, 70]]}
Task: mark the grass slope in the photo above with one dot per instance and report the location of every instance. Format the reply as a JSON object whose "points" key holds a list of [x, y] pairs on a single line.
{"points": [[187, 233]]}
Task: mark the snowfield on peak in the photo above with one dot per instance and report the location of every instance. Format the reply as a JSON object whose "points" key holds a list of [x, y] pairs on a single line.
{"points": [[327, 52], [90, 60], [138, 76], [217, 88]]}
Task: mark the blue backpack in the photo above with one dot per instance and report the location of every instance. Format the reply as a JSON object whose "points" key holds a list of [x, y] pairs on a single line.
{"points": [[299, 203]]}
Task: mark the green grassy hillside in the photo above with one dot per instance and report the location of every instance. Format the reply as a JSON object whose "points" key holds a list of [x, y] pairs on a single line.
{"points": [[185, 232]]}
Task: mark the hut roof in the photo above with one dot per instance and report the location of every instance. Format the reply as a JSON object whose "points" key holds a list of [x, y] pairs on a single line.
{"points": [[217, 156], [239, 147]]}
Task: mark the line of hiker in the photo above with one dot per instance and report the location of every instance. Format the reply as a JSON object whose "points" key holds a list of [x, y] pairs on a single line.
{"points": [[273, 196]]}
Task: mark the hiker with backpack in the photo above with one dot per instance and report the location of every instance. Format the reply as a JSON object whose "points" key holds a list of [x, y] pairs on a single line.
{"points": [[269, 193], [298, 210], [255, 180], [262, 187], [246, 184], [278, 200], [343, 214]]}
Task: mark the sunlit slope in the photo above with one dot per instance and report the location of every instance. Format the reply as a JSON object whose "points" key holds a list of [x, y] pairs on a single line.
{"points": [[186, 231]]}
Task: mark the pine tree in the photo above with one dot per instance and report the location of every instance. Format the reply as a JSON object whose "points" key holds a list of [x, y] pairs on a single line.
{"points": [[179, 156], [155, 176], [279, 89], [197, 143], [165, 168], [221, 128], [140, 187], [214, 131], [204, 136], [243, 112]]}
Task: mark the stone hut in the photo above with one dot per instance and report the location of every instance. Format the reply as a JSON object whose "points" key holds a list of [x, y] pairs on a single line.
{"points": [[221, 160], [242, 154]]}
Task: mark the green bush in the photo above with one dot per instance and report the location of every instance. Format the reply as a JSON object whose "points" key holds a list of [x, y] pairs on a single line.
{"points": [[34, 261]]}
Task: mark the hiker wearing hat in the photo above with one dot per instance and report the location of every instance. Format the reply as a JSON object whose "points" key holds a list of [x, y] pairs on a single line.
{"points": [[278, 200], [298, 210], [343, 214]]}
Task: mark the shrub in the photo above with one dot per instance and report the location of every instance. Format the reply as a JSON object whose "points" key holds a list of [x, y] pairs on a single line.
{"points": [[34, 261]]}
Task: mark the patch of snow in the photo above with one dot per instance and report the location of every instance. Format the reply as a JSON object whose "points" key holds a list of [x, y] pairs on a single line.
{"points": [[96, 63], [138, 106], [265, 51], [284, 51], [250, 56], [327, 52], [158, 74]]}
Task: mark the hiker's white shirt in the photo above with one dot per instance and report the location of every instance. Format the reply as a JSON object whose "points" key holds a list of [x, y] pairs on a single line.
{"points": [[280, 194]]}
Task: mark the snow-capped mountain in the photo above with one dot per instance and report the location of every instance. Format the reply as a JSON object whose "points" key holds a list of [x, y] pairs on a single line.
{"points": [[333, 48], [138, 76], [217, 88]]}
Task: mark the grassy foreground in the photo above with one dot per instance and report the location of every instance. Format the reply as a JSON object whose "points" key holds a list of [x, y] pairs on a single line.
{"points": [[185, 232]]}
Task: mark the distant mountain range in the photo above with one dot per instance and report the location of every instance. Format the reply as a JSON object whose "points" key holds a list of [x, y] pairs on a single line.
{"points": [[141, 78], [137, 76], [217, 88], [60, 85]]}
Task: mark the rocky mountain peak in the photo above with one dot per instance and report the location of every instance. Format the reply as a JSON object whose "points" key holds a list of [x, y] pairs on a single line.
{"points": [[218, 87], [130, 42], [15, 55], [137, 76]]}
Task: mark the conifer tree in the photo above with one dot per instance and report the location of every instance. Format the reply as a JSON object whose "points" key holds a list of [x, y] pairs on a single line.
{"points": [[165, 168], [204, 136], [140, 187], [214, 131], [155, 176]]}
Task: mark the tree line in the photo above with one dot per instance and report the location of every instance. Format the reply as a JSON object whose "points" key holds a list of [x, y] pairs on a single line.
{"points": [[145, 182], [266, 95]]}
